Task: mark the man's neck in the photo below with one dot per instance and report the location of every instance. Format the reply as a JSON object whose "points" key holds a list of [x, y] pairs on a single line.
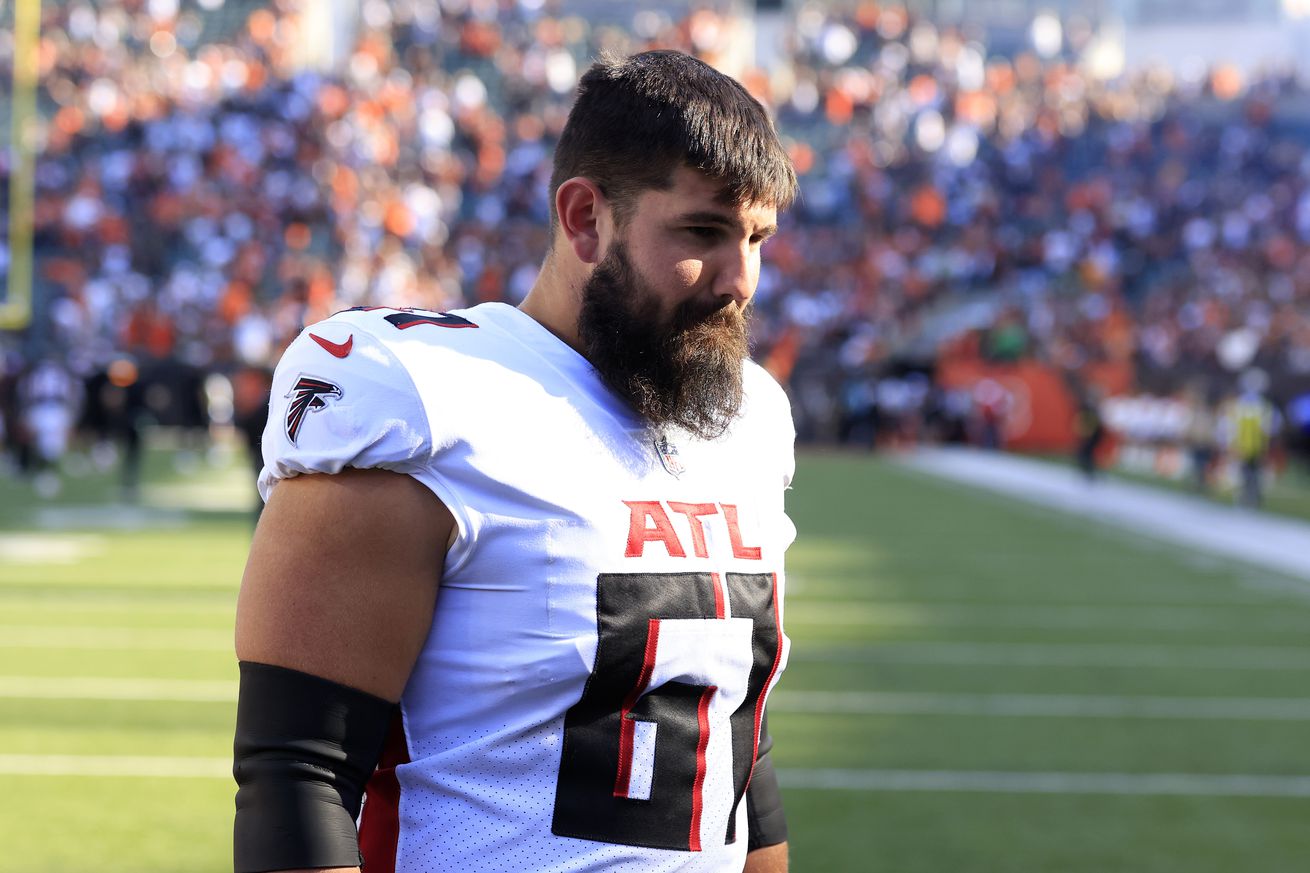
{"points": [[554, 302]]}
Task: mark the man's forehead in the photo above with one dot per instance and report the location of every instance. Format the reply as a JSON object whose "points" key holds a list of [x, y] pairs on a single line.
{"points": [[696, 194], [690, 180]]}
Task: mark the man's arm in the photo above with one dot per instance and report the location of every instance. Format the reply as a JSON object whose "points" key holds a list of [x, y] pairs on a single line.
{"points": [[770, 859], [765, 816], [342, 579]]}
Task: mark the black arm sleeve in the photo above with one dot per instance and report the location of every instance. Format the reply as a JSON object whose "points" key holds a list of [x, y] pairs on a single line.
{"points": [[766, 819], [304, 750]]}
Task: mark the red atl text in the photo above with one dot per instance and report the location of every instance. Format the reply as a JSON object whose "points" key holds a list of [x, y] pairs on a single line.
{"points": [[650, 523]]}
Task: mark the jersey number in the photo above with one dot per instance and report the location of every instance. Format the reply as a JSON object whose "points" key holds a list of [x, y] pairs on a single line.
{"points": [[665, 733], [403, 319]]}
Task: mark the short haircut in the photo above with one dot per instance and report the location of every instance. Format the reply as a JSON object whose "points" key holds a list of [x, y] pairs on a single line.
{"points": [[637, 119]]}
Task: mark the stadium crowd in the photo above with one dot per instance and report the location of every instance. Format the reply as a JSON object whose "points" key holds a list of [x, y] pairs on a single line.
{"points": [[200, 195]]}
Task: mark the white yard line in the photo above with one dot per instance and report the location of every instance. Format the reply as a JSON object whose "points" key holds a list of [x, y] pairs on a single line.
{"points": [[97, 688], [48, 548], [1279, 544], [1041, 705], [118, 516], [1149, 618], [1177, 784], [989, 655], [72, 637], [116, 765], [63, 602], [1146, 594]]}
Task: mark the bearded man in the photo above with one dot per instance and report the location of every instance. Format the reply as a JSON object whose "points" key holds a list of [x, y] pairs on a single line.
{"points": [[517, 588]]}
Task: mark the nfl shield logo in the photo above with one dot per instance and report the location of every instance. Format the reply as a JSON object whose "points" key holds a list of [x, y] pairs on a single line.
{"points": [[668, 453]]}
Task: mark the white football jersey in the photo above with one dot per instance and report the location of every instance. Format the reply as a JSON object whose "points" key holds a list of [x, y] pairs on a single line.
{"points": [[609, 622]]}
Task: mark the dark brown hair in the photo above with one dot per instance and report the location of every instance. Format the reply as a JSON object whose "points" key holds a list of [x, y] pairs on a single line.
{"points": [[637, 119]]}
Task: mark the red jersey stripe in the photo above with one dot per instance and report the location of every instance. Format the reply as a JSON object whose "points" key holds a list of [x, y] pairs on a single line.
{"points": [[379, 828]]}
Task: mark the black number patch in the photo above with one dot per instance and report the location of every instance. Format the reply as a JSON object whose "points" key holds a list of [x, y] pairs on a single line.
{"points": [[604, 792], [403, 319]]}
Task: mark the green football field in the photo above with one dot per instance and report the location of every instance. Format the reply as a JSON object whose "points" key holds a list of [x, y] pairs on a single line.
{"points": [[975, 685]]}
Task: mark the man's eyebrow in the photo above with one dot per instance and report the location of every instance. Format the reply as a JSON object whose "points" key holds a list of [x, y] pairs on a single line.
{"points": [[709, 216]]}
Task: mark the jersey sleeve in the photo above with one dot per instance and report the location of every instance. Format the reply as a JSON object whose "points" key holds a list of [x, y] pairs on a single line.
{"points": [[340, 399], [776, 416]]}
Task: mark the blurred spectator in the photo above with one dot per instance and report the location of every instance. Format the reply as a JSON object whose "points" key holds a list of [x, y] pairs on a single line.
{"points": [[251, 386], [1201, 434], [1252, 422], [115, 415], [1298, 413], [49, 398], [992, 406], [1089, 431]]}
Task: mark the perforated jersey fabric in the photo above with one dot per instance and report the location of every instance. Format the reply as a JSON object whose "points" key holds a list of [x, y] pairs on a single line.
{"points": [[609, 621]]}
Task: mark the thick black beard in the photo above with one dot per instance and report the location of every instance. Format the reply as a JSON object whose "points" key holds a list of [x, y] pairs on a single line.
{"points": [[684, 371]]}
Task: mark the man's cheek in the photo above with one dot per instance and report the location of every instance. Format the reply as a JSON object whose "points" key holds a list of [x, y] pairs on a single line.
{"points": [[687, 273]]}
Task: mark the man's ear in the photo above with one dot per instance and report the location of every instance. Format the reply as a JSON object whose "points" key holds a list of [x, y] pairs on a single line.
{"points": [[582, 210]]}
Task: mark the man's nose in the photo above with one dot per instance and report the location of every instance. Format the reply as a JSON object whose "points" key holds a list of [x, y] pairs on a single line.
{"points": [[736, 279]]}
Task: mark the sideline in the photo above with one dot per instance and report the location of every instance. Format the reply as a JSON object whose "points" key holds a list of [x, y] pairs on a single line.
{"points": [[1252, 537]]}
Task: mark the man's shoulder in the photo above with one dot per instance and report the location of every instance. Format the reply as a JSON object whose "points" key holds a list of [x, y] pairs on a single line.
{"points": [[428, 343], [389, 324], [363, 373]]}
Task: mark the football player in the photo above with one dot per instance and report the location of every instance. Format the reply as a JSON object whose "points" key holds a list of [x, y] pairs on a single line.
{"points": [[515, 601]]}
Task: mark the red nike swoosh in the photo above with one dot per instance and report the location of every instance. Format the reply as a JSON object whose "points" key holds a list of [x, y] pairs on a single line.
{"points": [[339, 350]]}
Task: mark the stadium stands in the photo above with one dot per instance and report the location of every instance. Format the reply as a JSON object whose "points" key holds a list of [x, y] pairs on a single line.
{"points": [[199, 198]]}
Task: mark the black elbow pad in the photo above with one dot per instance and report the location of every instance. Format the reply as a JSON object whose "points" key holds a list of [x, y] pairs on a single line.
{"points": [[766, 819], [305, 748]]}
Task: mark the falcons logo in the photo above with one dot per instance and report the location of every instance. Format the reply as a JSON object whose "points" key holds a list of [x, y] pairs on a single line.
{"points": [[307, 396]]}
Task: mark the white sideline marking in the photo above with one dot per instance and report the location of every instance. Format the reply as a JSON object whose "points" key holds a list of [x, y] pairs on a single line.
{"points": [[1268, 541], [96, 688], [115, 765], [1063, 655], [1042, 705], [1183, 784], [66, 637], [1149, 618]]}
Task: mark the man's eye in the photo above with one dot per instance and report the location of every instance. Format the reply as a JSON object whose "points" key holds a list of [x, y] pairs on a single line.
{"points": [[705, 233]]}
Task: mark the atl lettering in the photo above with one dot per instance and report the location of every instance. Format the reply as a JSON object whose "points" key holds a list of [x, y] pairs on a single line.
{"points": [[650, 522]]}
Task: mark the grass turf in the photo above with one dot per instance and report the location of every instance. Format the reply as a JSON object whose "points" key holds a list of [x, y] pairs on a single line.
{"points": [[899, 583], [920, 562]]}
